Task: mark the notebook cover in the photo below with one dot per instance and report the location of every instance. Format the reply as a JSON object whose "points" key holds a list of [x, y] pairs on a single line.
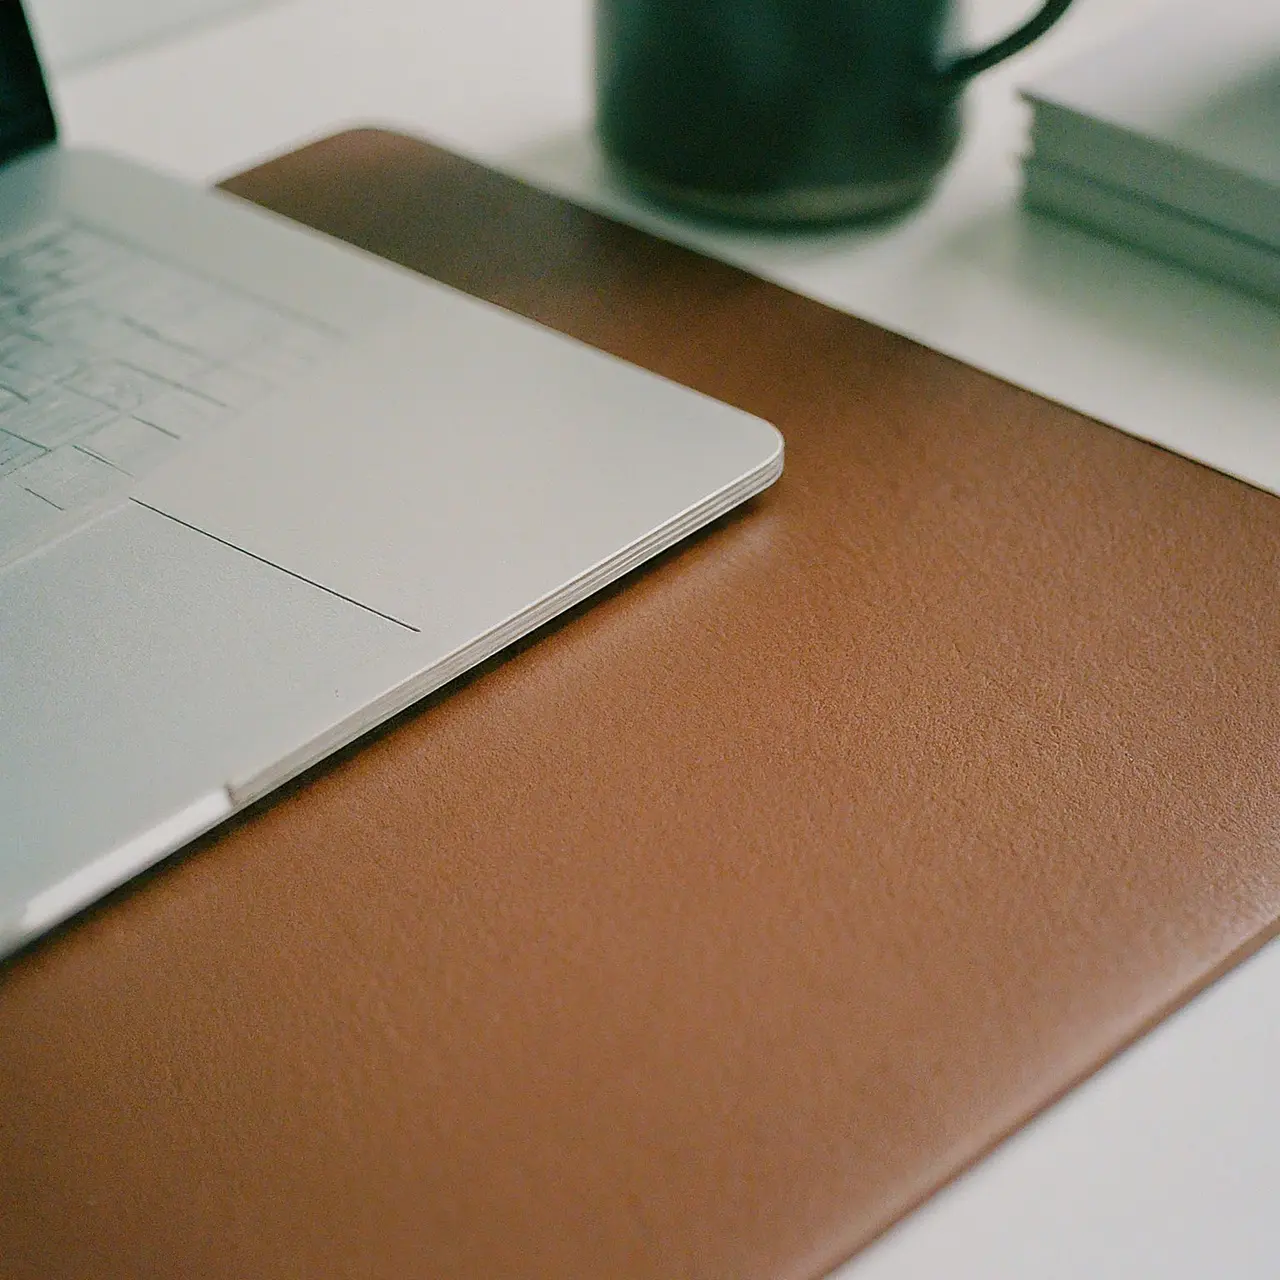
{"points": [[1180, 108], [723, 921]]}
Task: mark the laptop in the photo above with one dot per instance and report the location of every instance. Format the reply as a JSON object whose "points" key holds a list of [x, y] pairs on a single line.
{"points": [[260, 491]]}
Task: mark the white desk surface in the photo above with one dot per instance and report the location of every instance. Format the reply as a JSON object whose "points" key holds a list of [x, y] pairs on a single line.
{"points": [[1168, 1162]]}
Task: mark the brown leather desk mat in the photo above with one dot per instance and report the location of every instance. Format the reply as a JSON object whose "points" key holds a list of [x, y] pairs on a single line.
{"points": [[716, 927]]}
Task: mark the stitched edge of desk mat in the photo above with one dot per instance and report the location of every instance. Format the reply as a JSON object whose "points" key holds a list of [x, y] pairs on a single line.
{"points": [[717, 926]]}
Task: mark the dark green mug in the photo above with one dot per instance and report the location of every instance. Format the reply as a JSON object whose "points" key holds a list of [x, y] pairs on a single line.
{"points": [[786, 110]]}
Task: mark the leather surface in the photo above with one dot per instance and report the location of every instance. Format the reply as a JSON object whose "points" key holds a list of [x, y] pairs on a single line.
{"points": [[716, 926]]}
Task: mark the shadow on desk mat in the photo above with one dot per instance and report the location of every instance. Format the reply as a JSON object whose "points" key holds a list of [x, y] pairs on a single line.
{"points": [[709, 934]]}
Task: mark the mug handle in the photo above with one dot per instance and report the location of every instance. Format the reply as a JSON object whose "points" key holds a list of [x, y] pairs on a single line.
{"points": [[972, 64]]}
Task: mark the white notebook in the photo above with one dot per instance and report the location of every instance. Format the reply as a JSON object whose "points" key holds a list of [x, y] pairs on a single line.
{"points": [[1182, 111], [1204, 248]]}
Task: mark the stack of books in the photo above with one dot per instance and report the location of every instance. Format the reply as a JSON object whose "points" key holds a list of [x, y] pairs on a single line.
{"points": [[1169, 139]]}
